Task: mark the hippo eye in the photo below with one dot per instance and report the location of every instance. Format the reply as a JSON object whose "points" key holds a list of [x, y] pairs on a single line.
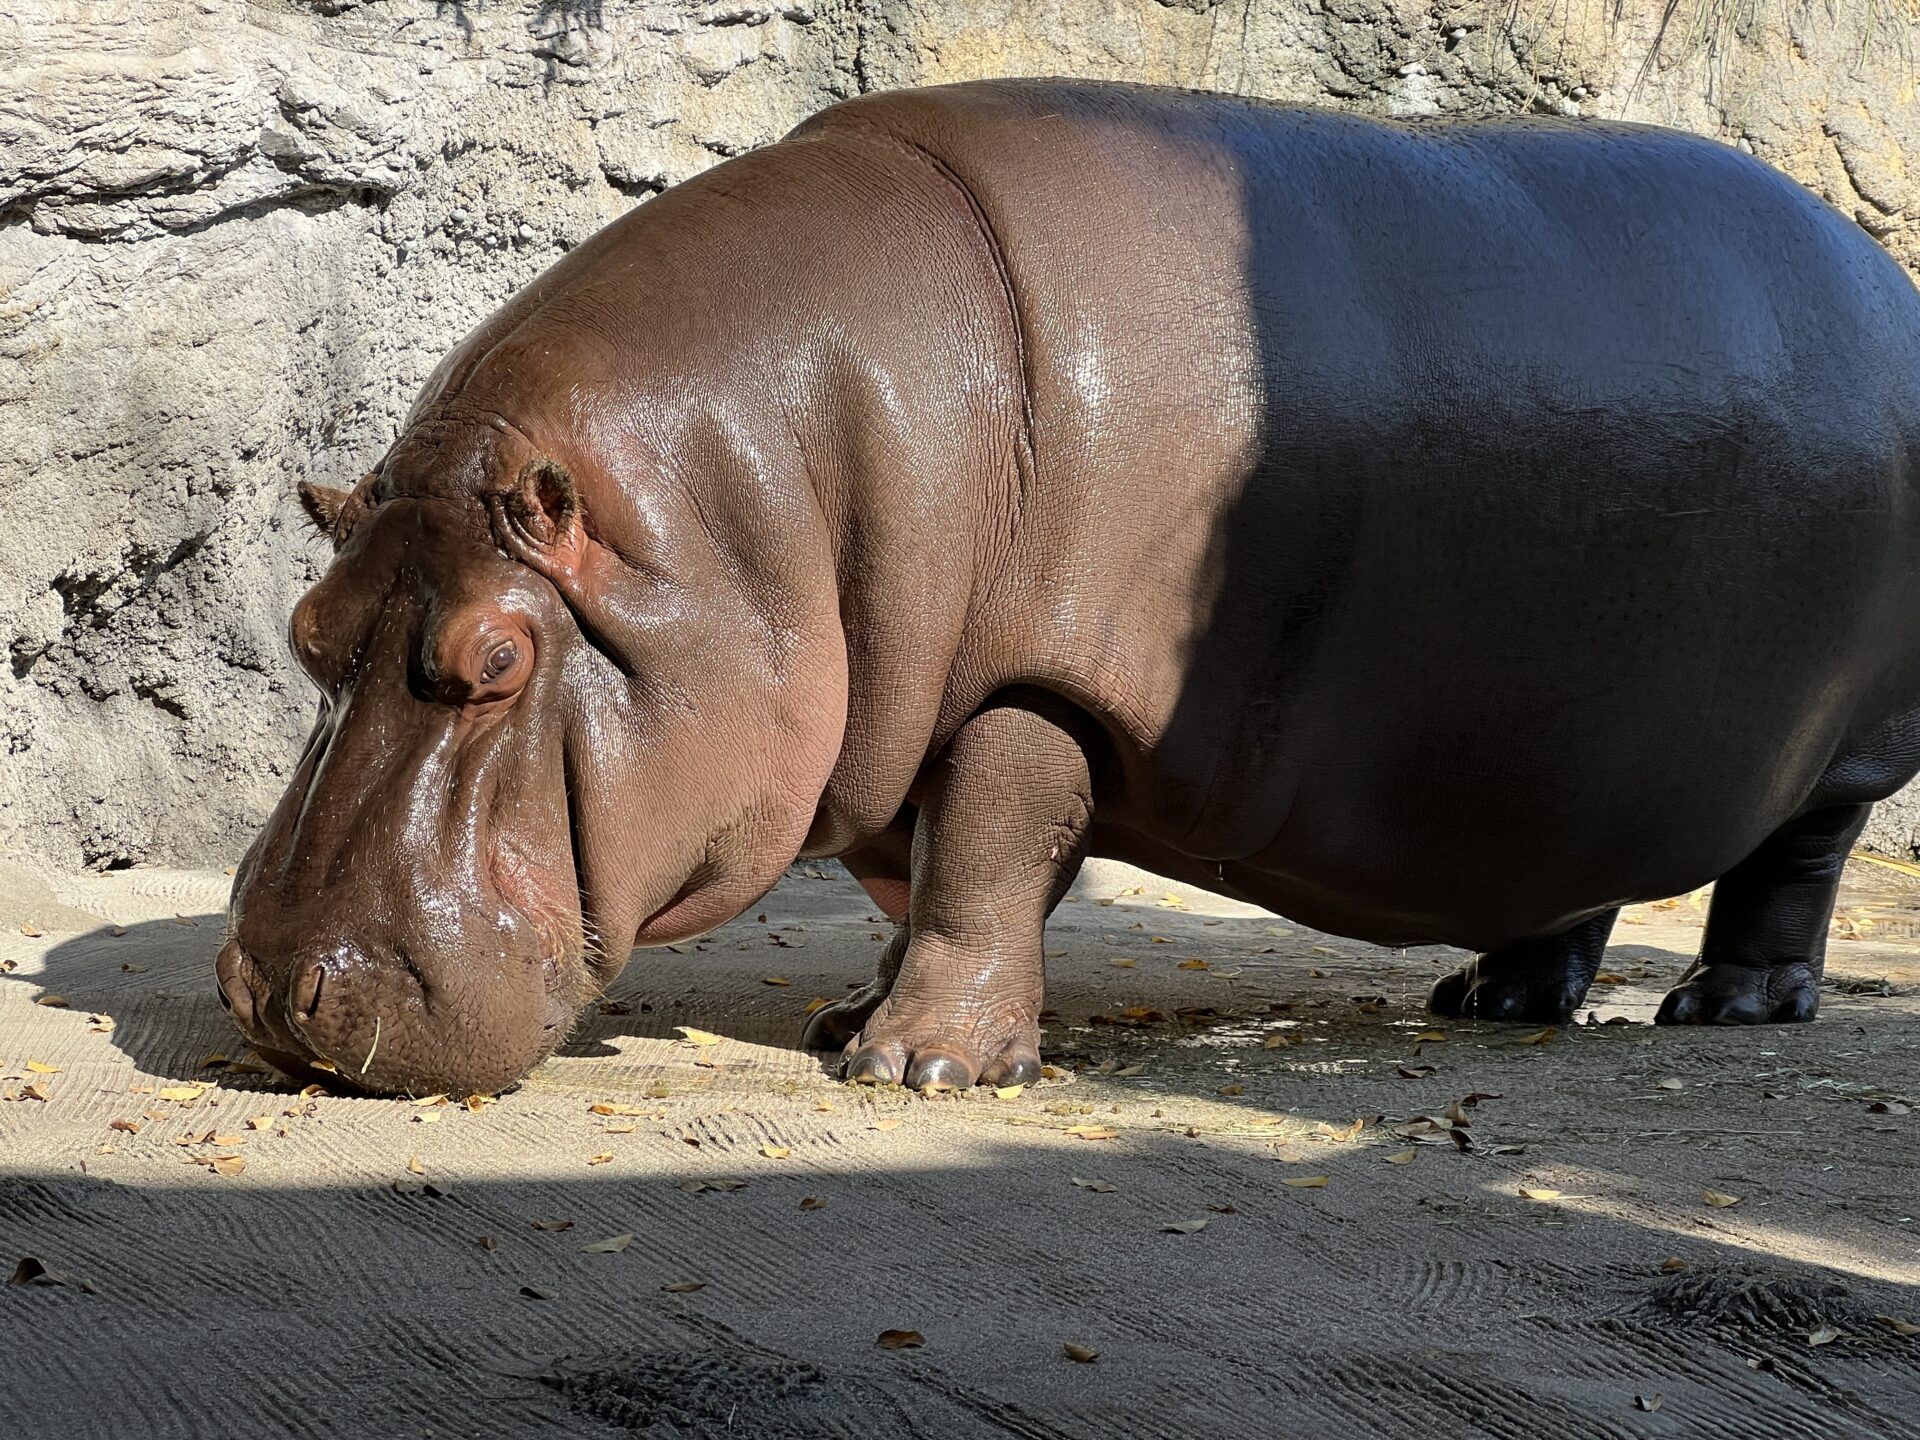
{"points": [[499, 661]]}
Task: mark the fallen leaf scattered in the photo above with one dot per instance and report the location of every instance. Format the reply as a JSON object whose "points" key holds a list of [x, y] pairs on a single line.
{"points": [[684, 1287], [1672, 1265], [183, 1093], [1532, 1194], [1537, 1037], [40, 1067], [612, 1245], [1719, 1199], [812, 1202], [776, 1152], [1099, 1187], [697, 1037], [1646, 1402], [1080, 1354], [1306, 1182], [901, 1340], [1825, 1335], [551, 1224], [602, 1158], [1899, 1327], [892, 1122], [1185, 1227], [1094, 1132], [1401, 1157], [536, 1292]]}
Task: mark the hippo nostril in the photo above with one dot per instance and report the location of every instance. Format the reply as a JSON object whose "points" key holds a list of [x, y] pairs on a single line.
{"points": [[305, 994]]}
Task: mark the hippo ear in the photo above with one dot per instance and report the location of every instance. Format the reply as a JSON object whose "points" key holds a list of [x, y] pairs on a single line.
{"points": [[323, 505], [538, 520]]}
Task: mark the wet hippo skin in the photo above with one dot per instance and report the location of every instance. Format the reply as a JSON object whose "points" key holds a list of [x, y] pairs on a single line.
{"points": [[1434, 532]]}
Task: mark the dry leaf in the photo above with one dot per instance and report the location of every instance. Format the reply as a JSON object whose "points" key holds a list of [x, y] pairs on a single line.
{"points": [[812, 1202], [892, 1122], [1232, 1090], [1008, 1092], [40, 1067], [1719, 1199], [487, 1243], [697, 1037], [602, 1158], [612, 1245], [818, 1002], [536, 1292], [1416, 1072], [776, 1152], [32, 1271], [1401, 1157], [1185, 1227], [607, 1107], [1306, 1182], [1608, 977], [1094, 1132], [1878, 1107], [901, 1340], [1673, 1264], [1123, 964], [259, 1122], [1646, 1402], [228, 1165], [1079, 1353], [1339, 1134], [183, 1093], [1671, 1084], [54, 1002], [684, 1287], [1825, 1335], [31, 931], [131, 1127], [414, 1167], [1193, 963], [718, 1187], [1099, 1187], [1899, 1327], [1531, 1194], [551, 1224], [1538, 1037], [775, 980], [1429, 1037]]}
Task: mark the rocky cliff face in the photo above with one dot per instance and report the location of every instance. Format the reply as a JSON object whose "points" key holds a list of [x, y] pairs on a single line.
{"points": [[234, 237]]}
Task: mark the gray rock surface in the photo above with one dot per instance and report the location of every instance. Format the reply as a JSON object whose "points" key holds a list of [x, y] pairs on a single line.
{"points": [[234, 237]]}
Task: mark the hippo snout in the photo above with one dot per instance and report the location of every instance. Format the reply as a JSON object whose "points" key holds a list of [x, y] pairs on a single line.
{"points": [[373, 1020]]}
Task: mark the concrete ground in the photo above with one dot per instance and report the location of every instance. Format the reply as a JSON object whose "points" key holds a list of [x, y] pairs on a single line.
{"points": [[1638, 1232]]}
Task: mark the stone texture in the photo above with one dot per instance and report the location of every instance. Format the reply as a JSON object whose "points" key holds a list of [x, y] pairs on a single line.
{"points": [[234, 238]]}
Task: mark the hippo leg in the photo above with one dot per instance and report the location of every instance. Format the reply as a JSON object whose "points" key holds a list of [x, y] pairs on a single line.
{"points": [[1766, 939], [1535, 980], [998, 839], [884, 869]]}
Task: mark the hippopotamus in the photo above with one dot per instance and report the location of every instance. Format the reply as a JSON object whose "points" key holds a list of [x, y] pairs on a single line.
{"points": [[1438, 531]]}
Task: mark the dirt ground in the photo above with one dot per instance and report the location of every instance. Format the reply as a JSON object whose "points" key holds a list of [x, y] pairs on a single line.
{"points": [[383, 1268]]}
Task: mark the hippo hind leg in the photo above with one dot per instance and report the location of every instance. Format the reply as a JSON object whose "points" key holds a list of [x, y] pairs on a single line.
{"points": [[1535, 980], [1766, 939]]}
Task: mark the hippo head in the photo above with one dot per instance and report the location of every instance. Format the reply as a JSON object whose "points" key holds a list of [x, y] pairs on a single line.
{"points": [[559, 717]]}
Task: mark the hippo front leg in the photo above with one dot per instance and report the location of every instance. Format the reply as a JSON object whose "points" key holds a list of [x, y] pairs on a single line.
{"points": [[1000, 834]]}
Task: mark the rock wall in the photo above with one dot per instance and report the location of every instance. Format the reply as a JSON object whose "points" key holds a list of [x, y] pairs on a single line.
{"points": [[235, 236]]}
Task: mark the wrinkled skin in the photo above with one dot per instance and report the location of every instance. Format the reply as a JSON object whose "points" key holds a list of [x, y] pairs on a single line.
{"points": [[1433, 532]]}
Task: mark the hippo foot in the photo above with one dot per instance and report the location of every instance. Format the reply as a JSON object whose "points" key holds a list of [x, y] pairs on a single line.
{"points": [[1787, 993], [1479, 991], [932, 1051]]}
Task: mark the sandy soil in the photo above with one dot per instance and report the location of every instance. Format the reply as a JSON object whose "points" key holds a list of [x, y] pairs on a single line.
{"points": [[379, 1268]]}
